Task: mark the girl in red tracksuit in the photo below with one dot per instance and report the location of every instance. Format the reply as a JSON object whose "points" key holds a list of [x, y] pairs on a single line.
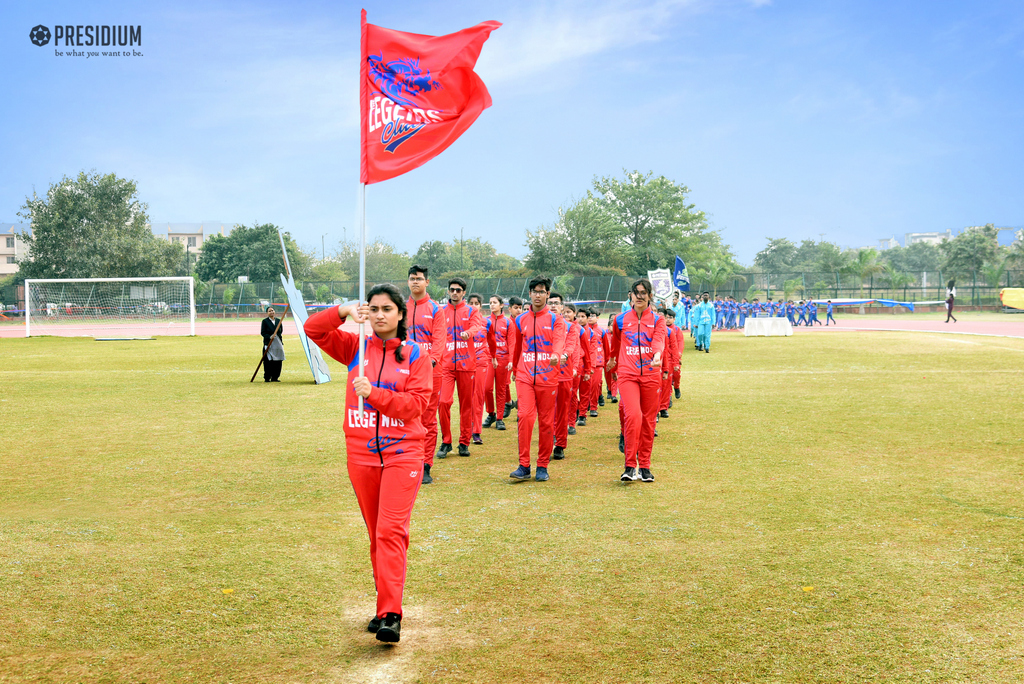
{"points": [[385, 441]]}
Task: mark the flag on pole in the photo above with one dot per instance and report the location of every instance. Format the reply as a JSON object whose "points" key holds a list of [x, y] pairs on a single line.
{"points": [[417, 95], [680, 276]]}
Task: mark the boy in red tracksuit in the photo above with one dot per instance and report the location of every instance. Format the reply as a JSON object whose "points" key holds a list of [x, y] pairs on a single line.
{"points": [[515, 307], [638, 344], [598, 342], [496, 388], [583, 396], [384, 442], [483, 363], [677, 371], [539, 341], [672, 354], [566, 373], [609, 376], [424, 322], [462, 323]]}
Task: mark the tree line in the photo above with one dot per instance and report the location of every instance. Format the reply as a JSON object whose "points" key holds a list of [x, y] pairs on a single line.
{"points": [[96, 226]]}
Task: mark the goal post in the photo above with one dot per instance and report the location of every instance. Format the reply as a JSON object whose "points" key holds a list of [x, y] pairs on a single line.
{"points": [[99, 307]]}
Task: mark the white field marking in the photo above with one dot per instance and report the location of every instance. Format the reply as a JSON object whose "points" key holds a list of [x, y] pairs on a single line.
{"points": [[936, 332]]}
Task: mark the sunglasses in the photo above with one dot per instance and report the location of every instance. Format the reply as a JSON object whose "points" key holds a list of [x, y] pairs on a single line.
{"points": [[455, 289]]}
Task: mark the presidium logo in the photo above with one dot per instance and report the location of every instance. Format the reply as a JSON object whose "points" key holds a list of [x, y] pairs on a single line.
{"points": [[94, 36]]}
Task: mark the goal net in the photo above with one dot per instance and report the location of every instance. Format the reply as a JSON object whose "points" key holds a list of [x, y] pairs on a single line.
{"points": [[110, 307]]}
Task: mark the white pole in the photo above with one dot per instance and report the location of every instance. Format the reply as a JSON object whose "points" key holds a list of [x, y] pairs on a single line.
{"points": [[362, 281], [192, 305], [28, 308]]}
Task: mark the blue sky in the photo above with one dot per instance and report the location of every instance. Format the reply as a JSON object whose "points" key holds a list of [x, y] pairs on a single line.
{"points": [[856, 120]]}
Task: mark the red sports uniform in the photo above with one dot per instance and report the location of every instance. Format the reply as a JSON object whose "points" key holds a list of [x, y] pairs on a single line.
{"points": [[499, 328], [539, 341], [680, 346], [671, 361], [635, 341], [566, 380], [384, 443], [424, 322], [598, 344], [584, 394], [459, 369], [483, 363]]}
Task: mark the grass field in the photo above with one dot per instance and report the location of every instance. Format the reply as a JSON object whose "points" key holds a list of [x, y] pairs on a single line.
{"points": [[828, 508]]}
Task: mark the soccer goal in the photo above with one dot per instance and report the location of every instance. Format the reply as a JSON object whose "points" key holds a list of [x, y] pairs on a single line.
{"points": [[110, 307]]}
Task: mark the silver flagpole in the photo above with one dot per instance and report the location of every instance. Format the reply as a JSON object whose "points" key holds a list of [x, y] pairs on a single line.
{"points": [[362, 281]]}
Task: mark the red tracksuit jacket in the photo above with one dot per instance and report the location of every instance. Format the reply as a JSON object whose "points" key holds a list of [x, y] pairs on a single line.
{"points": [[675, 341], [498, 336], [459, 354], [389, 428], [572, 343], [424, 322], [598, 344], [635, 341], [540, 338]]}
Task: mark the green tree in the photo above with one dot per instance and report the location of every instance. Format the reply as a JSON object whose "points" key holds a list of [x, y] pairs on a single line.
{"points": [[657, 221], [832, 259], [94, 226], [716, 275], [331, 270], [383, 261], [917, 258], [777, 257], [472, 255], [253, 252], [584, 239], [970, 250], [865, 265], [895, 279]]}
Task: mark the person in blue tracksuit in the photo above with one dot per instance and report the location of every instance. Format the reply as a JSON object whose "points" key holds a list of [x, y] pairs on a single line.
{"points": [[744, 311], [812, 313], [801, 311], [828, 313], [791, 312], [703, 321], [755, 307]]}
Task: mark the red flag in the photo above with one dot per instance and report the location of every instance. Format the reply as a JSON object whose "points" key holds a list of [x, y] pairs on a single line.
{"points": [[417, 95]]}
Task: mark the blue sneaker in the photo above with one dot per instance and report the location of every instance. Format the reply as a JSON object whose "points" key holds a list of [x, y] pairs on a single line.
{"points": [[542, 474], [520, 473]]}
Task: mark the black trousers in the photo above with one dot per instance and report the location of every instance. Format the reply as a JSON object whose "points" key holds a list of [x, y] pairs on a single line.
{"points": [[272, 369]]}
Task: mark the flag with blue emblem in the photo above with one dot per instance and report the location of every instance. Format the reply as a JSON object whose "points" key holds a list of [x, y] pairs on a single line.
{"points": [[680, 276]]}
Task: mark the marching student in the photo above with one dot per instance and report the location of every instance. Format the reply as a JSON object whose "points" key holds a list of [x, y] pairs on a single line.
{"points": [[638, 343], [496, 387], [791, 312], [812, 313], [567, 372], [515, 307], [802, 313], [609, 377], [539, 340], [672, 355], [755, 307], [597, 342], [703, 321], [580, 384], [483, 363], [425, 322], [463, 323], [744, 312], [828, 313], [384, 444], [585, 393]]}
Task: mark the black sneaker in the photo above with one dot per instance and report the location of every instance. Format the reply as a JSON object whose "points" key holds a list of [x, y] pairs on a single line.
{"points": [[610, 396], [508, 409], [374, 624], [476, 439], [390, 628], [542, 474], [615, 399], [426, 480], [663, 413], [463, 450], [629, 475], [490, 420], [670, 402], [646, 475], [677, 392], [499, 424], [707, 351], [520, 473], [581, 421], [600, 400], [558, 454], [622, 443], [572, 430], [443, 450], [593, 413]]}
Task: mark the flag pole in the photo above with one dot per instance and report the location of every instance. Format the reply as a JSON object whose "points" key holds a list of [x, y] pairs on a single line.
{"points": [[362, 280]]}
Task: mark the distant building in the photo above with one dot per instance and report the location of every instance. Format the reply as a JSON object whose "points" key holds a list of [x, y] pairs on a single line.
{"points": [[12, 247], [931, 238], [888, 243], [191, 236]]}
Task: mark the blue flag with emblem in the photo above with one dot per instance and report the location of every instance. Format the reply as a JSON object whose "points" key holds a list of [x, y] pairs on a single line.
{"points": [[680, 277]]}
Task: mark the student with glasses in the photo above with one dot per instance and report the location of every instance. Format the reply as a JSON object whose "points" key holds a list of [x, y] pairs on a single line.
{"points": [[425, 322], [462, 323]]}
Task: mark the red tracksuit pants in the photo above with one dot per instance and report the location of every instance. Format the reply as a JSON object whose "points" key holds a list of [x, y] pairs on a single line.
{"points": [[638, 406], [584, 397], [574, 401], [666, 392], [595, 388], [430, 420], [676, 375], [609, 380], [536, 401], [563, 406], [479, 389], [386, 496], [496, 388], [463, 380]]}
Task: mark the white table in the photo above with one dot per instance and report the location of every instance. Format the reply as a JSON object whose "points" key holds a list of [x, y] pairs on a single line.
{"points": [[767, 327]]}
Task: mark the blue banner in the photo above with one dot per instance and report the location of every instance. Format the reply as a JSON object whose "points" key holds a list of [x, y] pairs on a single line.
{"points": [[680, 276]]}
